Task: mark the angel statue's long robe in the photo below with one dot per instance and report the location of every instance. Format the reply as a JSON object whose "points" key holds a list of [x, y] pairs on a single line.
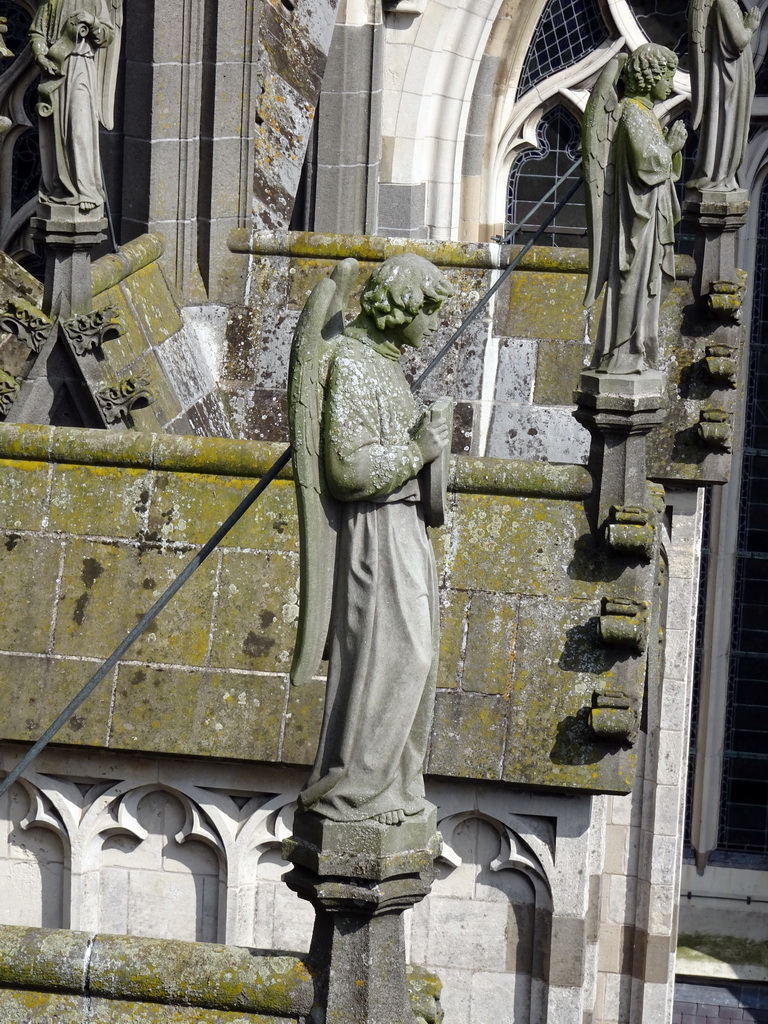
{"points": [[642, 235], [728, 84], [71, 105], [384, 620]]}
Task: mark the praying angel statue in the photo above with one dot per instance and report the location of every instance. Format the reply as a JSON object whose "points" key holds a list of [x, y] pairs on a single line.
{"points": [[361, 449], [76, 44], [631, 165], [722, 86]]}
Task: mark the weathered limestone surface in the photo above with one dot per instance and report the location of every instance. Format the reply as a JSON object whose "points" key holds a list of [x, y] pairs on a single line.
{"points": [[110, 978], [522, 583], [512, 374]]}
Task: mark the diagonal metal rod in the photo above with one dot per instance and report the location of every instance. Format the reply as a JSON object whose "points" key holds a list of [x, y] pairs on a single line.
{"points": [[146, 619], [513, 231], [494, 288], [238, 513]]}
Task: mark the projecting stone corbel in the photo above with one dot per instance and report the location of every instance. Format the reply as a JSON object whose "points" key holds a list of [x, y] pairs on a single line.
{"points": [[631, 531], [614, 715], [721, 365], [89, 331], [117, 401], [725, 298], [624, 623], [714, 429], [26, 322]]}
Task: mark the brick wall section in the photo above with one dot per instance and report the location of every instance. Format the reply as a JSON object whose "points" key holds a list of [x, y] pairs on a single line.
{"points": [[697, 1003]]}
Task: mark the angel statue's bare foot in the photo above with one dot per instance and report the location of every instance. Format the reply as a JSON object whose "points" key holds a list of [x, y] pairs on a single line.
{"points": [[85, 207], [396, 817]]}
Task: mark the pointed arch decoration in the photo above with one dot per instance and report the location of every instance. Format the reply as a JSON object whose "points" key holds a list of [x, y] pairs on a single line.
{"points": [[534, 76]]}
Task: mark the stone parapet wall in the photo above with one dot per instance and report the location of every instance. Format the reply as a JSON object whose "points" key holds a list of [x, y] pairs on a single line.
{"points": [[521, 583]]}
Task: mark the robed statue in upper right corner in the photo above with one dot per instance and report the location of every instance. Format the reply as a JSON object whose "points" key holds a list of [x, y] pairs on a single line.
{"points": [[722, 86], [631, 164]]}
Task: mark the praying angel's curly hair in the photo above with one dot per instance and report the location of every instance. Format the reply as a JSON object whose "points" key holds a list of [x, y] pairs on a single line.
{"points": [[647, 65], [398, 290]]}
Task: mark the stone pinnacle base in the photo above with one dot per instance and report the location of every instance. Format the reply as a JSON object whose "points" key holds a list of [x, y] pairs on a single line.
{"points": [[360, 877]]}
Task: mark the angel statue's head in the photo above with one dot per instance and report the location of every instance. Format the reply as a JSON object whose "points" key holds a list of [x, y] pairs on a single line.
{"points": [[646, 67], [404, 295]]}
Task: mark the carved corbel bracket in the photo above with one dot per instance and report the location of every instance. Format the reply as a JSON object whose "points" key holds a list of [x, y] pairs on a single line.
{"points": [[721, 364], [26, 322], [714, 429], [624, 623], [631, 531], [725, 298], [614, 715], [89, 331], [9, 388], [117, 401]]}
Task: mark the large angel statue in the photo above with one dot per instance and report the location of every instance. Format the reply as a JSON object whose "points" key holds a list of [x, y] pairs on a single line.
{"points": [[723, 87], [76, 43], [368, 581], [630, 166]]}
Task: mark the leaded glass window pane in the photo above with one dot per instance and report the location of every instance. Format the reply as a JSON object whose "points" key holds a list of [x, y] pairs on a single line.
{"points": [[567, 31], [744, 797], [536, 171], [665, 22]]}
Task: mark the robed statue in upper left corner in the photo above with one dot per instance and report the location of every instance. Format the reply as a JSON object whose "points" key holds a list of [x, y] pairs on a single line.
{"points": [[76, 44]]}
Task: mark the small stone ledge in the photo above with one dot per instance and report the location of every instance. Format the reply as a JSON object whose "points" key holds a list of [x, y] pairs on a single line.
{"points": [[721, 957], [226, 457], [375, 249], [276, 984], [139, 972], [113, 268]]}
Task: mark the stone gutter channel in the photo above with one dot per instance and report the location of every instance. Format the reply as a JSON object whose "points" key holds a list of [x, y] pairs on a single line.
{"points": [[275, 986]]}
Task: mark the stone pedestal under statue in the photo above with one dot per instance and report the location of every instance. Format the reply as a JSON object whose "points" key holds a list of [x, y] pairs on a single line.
{"points": [[360, 877], [620, 410], [715, 218]]}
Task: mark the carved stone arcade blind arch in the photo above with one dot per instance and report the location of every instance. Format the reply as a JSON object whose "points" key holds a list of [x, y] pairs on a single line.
{"points": [[534, 172], [744, 796], [567, 31]]}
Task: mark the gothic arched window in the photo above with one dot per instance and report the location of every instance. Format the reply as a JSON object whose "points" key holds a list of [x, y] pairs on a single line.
{"points": [[534, 172], [567, 31]]}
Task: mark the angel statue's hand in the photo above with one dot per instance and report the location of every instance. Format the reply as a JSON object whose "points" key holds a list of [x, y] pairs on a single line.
{"points": [[432, 436], [753, 19], [676, 136]]}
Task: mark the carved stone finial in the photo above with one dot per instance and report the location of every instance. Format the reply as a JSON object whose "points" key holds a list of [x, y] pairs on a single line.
{"points": [[89, 331], [26, 322], [117, 401]]}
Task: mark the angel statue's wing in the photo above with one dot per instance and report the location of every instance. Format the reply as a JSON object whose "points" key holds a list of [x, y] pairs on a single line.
{"points": [[314, 341], [600, 120], [107, 65], [698, 16]]}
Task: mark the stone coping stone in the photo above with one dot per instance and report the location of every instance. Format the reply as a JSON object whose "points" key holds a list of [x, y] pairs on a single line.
{"points": [[376, 248], [130, 978], [226, 457]]}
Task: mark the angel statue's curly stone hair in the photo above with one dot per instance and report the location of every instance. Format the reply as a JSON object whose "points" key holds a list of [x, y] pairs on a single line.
{"points": [[646, 66], [399, 289]]}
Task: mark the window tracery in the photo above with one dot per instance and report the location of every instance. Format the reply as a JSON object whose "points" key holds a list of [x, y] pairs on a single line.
{"points": [[567, 31]]}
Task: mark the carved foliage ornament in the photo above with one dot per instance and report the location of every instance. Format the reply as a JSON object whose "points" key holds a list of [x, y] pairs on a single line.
{"points": [[117, 401], [26, 322], [9, 388], [90, 331]]}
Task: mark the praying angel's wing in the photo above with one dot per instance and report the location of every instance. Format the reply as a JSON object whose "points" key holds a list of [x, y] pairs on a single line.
{"points": [[315, 340], [599, 127]]}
